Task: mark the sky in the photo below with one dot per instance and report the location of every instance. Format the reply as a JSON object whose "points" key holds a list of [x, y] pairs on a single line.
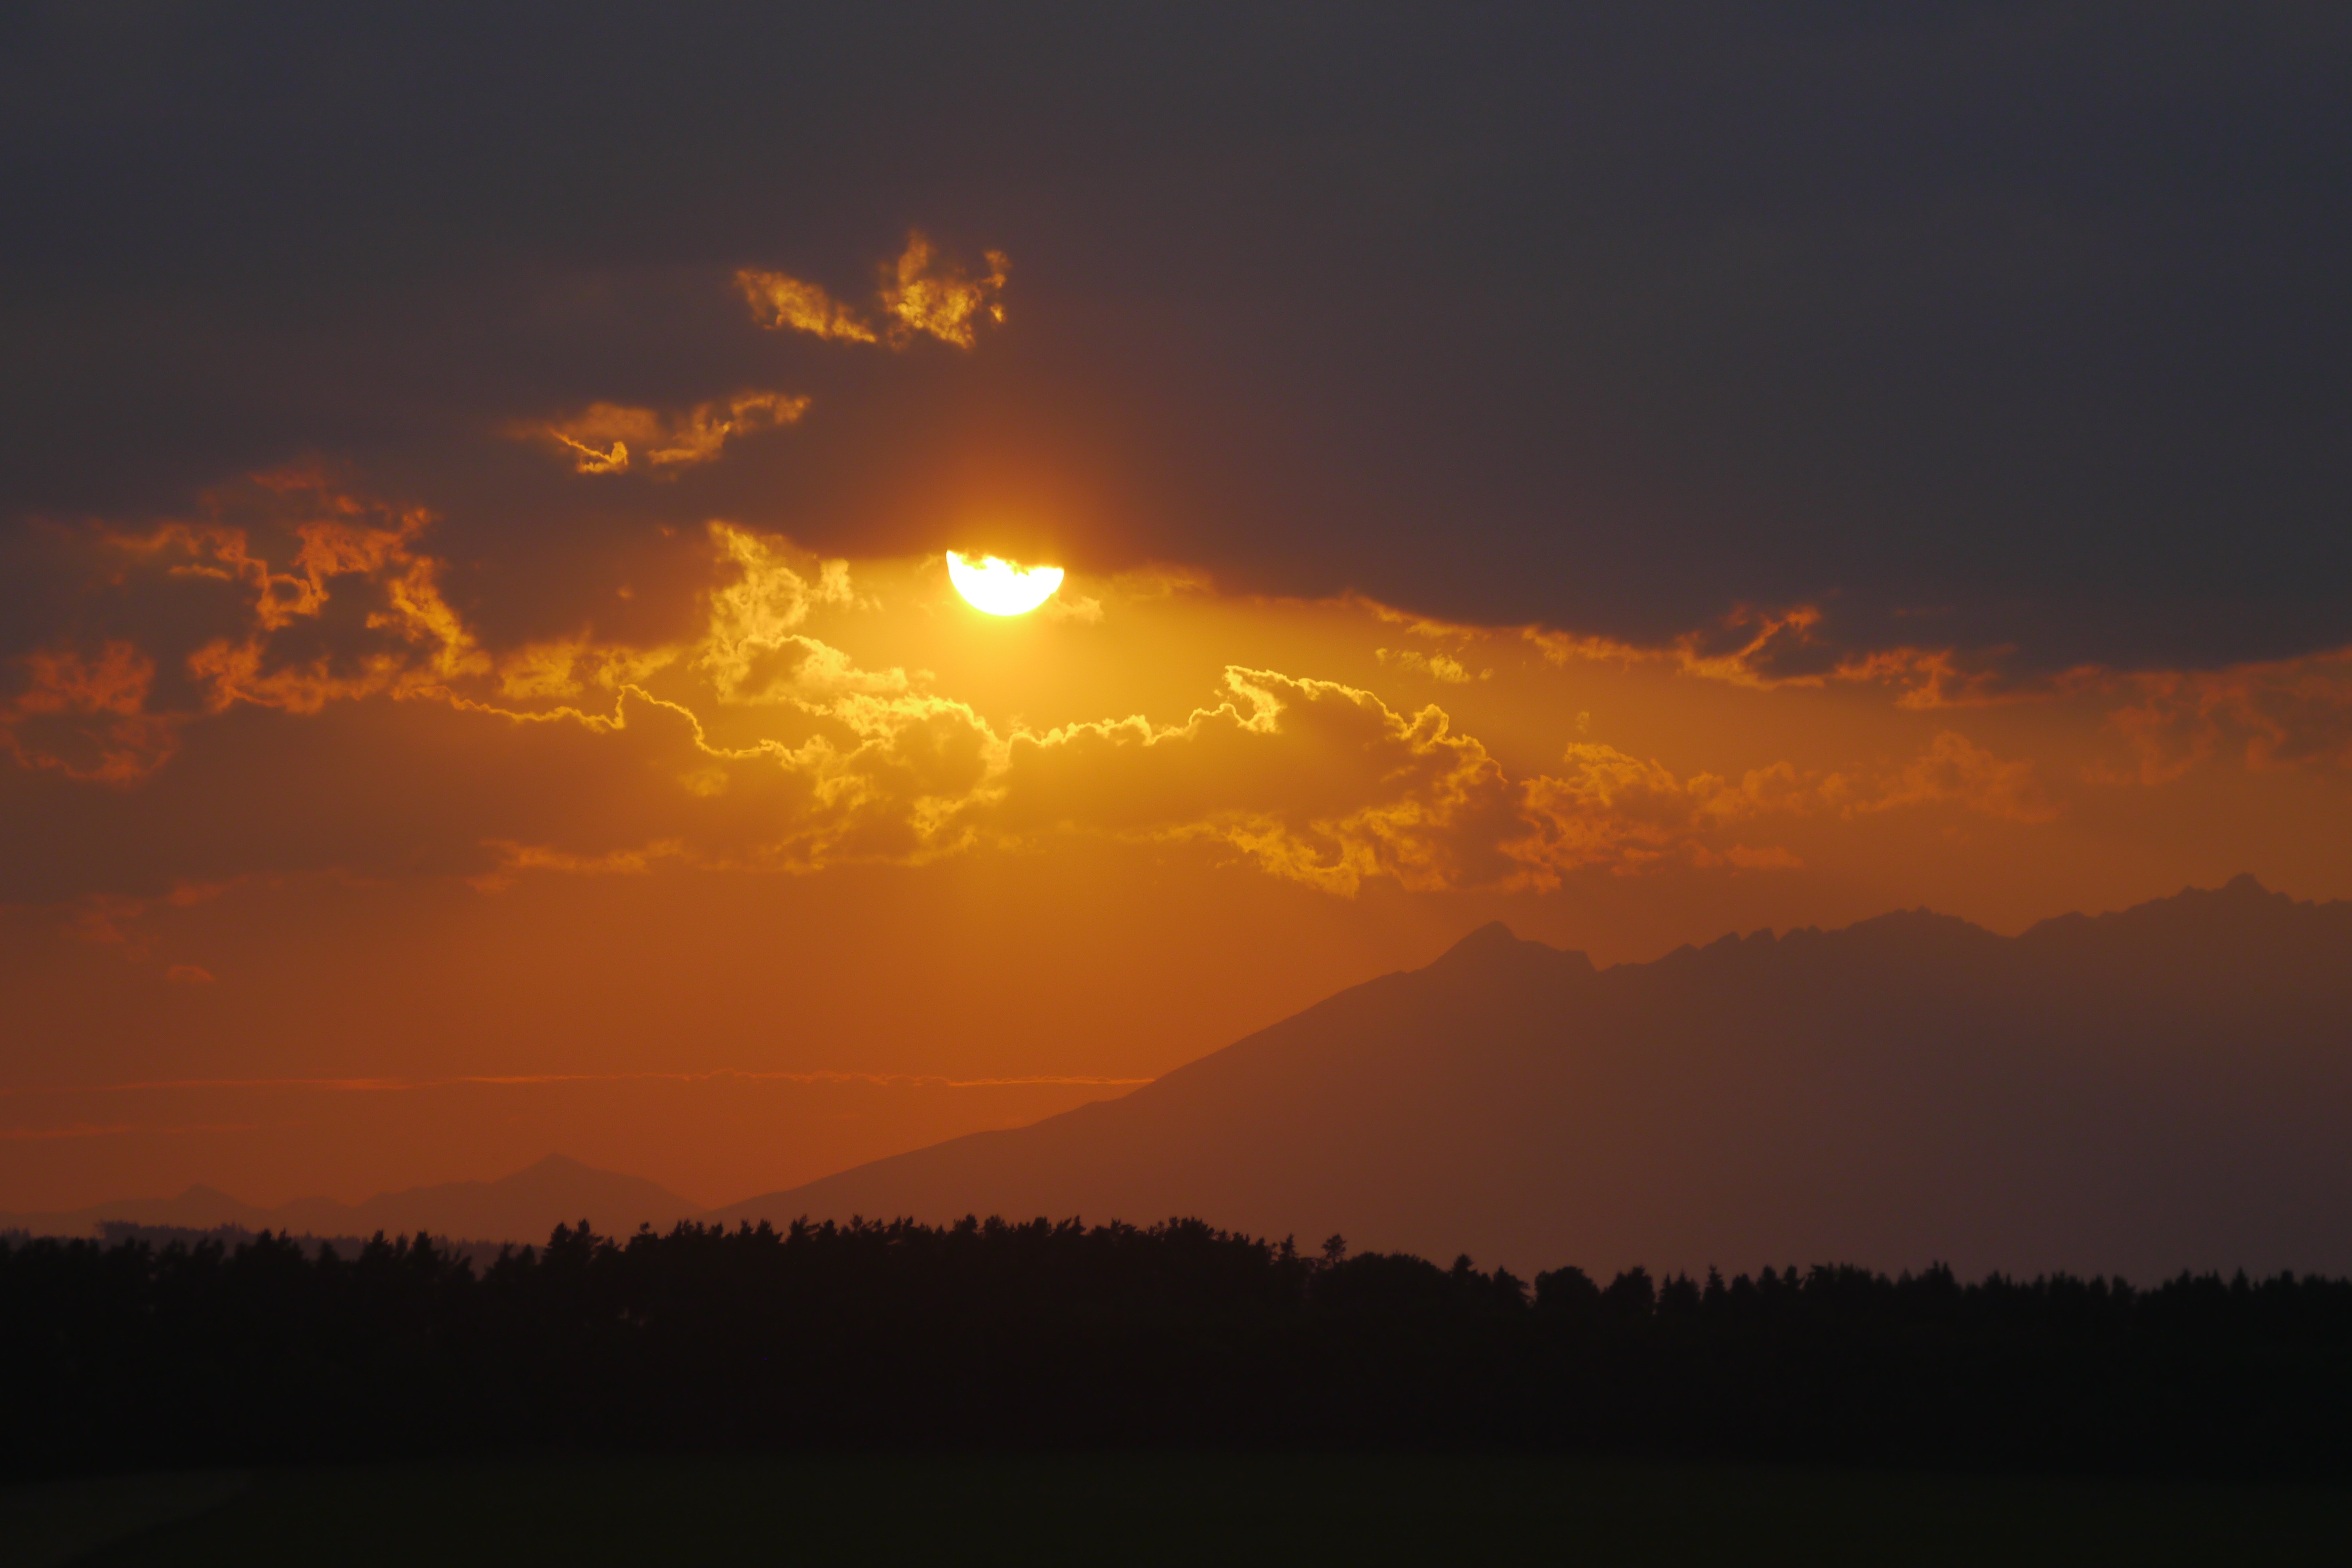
{"points": [[478, 674]]}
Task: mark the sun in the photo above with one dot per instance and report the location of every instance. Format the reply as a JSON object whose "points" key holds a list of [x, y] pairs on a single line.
{"points": [[1000, 587]]}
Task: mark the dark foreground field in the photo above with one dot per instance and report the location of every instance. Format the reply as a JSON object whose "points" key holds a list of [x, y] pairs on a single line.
{"points": [[1137, 1509]]}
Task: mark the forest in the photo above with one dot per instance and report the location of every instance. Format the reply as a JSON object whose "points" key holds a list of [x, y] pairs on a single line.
{"points": [[1045, 1336]]}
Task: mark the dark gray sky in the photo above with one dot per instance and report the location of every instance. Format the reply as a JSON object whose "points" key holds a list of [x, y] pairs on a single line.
{"points": [[1994, 326]]}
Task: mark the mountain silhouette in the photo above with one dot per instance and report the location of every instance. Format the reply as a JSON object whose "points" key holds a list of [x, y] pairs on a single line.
{"points": [[2165, 1088], [523, 1207]]}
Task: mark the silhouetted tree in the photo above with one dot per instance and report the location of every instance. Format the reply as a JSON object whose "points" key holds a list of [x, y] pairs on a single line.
{"points": [[990, 1332]]}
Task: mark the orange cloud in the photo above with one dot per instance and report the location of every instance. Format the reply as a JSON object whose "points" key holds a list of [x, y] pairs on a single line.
{"points": [[1324, 784], [1615, 812], [1935, 678], [921, 295], [941, 299], [568, 666], [86, 718], [514, 857], [1954, 772], [1622, 814], [1310, 779], [2282, 713], [99, 917], [339, 535], [1434, 666], [751, 652], [816, 760], [599, 435], [1756, 650], [780, 303], [1767, 650], [343, 539]]}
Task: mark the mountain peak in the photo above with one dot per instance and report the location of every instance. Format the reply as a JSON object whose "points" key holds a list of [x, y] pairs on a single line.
{"points": [[1496, 947], [1494, 936], [1491, 945]]}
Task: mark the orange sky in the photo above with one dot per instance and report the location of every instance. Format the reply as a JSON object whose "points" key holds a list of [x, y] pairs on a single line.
{"points": [[851, 866], [343, 863]]}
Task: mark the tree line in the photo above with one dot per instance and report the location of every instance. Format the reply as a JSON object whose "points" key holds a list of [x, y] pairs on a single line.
{"points": [[1061, 1335]]}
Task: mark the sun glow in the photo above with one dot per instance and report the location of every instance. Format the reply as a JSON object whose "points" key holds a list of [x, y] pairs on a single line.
{"points": [[1000, 588]]}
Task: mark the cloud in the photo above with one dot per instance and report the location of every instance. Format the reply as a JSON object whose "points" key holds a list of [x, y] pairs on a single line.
{"points": [[1952, 771], [85, 716], [2281, 713], [1324, 784], [514, 857], [1435, 666], [1767, 650], [1759, 649], [599, 437], [1310, 779], [1612, 810], [566, 667], [751, 652], [780, 303], [289, 650], [754, 743], [938, 298], [870, 778], [2294, 712], [922, 295]]}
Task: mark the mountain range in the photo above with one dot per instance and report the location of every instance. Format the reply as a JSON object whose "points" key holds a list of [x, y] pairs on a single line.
{"points": [[2164, 1087]]}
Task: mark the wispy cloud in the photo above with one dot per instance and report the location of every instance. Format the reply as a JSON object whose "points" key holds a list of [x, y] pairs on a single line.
{"points": [[598, 438], [2275, 714], [922, 294], [1440, 666], [783, 303], [2291, 712], [932, 296], [85, 716]]}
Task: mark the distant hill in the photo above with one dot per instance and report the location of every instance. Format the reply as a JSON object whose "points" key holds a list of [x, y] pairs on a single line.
{"points": [[2167, 1087], [524, 1207]]}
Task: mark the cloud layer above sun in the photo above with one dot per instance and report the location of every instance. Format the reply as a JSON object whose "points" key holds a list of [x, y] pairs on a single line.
{"points": [[734, 702]]}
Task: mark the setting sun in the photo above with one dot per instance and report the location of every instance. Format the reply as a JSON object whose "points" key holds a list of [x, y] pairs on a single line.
{"points": [[1000, 588], [1651, 781]]}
